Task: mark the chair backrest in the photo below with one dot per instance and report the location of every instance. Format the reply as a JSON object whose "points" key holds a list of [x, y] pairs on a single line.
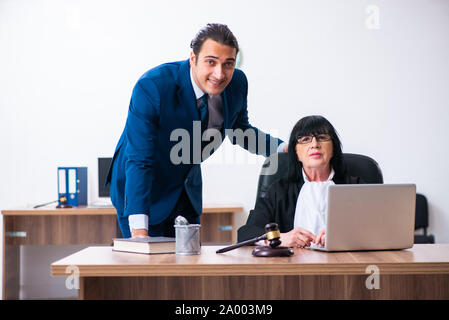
{"points": [[422, 213], [364, 167], [422, 220], [357, 165]]}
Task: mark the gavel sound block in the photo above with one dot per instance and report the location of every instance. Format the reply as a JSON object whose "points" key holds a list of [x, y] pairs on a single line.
{"points": [[273, 235]]}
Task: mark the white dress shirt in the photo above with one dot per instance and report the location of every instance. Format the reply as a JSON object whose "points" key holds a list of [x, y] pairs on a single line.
{"points": [[311, 206]]}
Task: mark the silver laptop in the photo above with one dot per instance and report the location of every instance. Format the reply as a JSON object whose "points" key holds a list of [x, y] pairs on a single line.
{"points": [[370, 217]]}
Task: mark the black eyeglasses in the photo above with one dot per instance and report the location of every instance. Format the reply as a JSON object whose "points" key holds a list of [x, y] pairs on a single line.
{"points": [[319, 138]]}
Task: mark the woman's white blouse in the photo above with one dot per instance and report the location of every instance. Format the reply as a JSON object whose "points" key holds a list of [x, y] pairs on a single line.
{"points": [[311, 206]]}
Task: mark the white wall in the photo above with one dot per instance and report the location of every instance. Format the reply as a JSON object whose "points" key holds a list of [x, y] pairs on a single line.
{"points": [[67, 69]]}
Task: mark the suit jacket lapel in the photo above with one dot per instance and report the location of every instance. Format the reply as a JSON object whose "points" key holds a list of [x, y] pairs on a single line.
{"points": [[185, 93]]}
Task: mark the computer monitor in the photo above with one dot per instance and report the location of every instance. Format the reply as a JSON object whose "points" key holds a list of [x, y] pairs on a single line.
{"points": [[103, 169]]}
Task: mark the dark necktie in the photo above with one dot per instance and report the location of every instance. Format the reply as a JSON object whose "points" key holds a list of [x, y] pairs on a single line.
{"points": [[204, 112]]}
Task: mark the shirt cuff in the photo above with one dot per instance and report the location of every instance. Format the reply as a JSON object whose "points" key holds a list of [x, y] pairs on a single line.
{"points": [[281, 147], [138, 221]]}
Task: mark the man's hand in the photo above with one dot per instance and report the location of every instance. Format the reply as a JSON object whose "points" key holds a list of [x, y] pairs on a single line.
{"points": [[139, 233], [298, 237], [286, 148]]}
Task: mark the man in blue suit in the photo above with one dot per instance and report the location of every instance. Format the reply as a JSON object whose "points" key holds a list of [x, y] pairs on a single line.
{"points": [[150, 185]]}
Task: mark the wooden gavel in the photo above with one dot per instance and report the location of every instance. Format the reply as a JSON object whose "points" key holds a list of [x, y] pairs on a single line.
{"points": [[272, 235]]}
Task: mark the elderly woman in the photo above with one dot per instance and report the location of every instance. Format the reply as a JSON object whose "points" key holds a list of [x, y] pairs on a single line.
{"points": [[298, 202]]}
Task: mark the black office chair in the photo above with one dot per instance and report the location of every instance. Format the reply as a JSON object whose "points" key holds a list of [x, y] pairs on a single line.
{"points": [[357, 165], [422, 220]]}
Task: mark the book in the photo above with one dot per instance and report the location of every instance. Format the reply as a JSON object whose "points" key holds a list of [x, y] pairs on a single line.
{"points": [[145, 245]]}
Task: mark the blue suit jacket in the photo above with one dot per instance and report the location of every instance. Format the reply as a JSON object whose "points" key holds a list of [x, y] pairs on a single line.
{"points": [[143, 178]]}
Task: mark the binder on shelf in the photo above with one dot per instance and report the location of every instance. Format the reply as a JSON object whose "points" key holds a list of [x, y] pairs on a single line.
{"points": [[72, 184]]}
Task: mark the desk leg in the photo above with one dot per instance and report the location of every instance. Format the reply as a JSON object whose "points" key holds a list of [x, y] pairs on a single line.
{"points": [[11, 271], [11, 265], [234, 228]]}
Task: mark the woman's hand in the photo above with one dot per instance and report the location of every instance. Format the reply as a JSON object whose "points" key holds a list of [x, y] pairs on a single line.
{"points": [[320, 238], [298, 237]]}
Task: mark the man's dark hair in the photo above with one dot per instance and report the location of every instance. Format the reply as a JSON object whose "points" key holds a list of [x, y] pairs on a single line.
{"points": [[217, 32], [313, 125]]}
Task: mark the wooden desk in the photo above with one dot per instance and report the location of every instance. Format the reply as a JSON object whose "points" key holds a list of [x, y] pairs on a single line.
{"points": [[84, 225], [418, 273]]}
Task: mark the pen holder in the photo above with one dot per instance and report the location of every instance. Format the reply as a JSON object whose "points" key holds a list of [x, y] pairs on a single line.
{"points": [[188, 239]]}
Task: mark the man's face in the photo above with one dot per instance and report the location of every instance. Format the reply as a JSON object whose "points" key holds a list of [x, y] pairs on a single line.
{"points": [[214, 66]]}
